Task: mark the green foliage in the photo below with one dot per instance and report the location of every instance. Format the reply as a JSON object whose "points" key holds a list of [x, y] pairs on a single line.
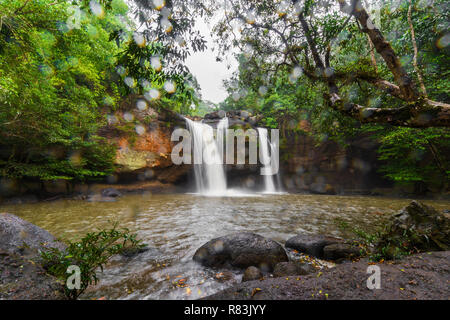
{"points": [[91, 253], [413, 155], [54, 79], [365, 240], [418, 157]]}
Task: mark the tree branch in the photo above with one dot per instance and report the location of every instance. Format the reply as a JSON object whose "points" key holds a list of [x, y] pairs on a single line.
{"points": [[384, 48], [413, 40]]}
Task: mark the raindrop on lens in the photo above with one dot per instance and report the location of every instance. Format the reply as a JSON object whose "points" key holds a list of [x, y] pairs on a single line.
{"points": [[128, 116], [159, 4], [120, 70], [129, 82], [250, 18], [155, 62], [166, 25], [140, 130], [96, 8], [443, 41], [169, 86], [141, 104], [262, 90], [154, 94], [139, 39]]}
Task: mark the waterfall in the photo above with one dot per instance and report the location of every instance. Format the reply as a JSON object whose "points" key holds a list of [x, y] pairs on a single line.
{"points": [[264, 144], [208, 154]]}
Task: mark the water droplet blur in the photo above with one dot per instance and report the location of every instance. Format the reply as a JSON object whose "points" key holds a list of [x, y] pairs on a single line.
{"points": [[96, 9], [139, 39], [169, 86], [141, 104], [112, 119], [166, 25], [128, 116], [155, 62], [262, 90], [443, 41], [158, 4], [250, 18], [140, 130], [129, 81], [120, 70]]}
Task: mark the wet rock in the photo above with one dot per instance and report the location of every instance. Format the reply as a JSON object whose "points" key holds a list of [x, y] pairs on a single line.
{"points": [[224, 276], [416, 227], [241, 250], [292, 268], [111, 193], [22, 237], [339, 251], [311, 244], [23, 279], [252, 273]]}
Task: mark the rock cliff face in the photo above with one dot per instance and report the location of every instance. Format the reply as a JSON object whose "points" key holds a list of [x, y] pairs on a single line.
{"points": [[329, 168], [143, 139]]}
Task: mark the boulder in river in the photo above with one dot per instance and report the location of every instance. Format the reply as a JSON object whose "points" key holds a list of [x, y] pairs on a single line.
{"points": [[311, 244], [111, 193], [21, 275], [415, 227], [241, 250], [22, 237]]}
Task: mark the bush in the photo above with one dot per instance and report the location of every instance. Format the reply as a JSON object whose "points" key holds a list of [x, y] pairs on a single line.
{"points": [[90, 253]]}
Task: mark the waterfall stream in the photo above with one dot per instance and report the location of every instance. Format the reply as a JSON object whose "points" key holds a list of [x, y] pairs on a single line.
{"points": [[208, 154], [264, 144]]}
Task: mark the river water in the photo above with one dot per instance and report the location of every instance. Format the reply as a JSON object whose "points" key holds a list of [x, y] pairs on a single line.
{"points": [[175, 225]]}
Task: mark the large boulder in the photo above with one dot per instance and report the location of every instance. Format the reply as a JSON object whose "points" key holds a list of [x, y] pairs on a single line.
{"points": [[311, 244], [21, 274], [415, 227], [22, 237], [241, 250]]}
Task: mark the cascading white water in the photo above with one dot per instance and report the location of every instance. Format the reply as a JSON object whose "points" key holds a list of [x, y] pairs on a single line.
{"points": [[269, 185], [208, 154]]}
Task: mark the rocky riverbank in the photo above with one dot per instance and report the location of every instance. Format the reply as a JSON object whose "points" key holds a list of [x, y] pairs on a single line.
{"points": [[420, 276], [270, 274]]}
